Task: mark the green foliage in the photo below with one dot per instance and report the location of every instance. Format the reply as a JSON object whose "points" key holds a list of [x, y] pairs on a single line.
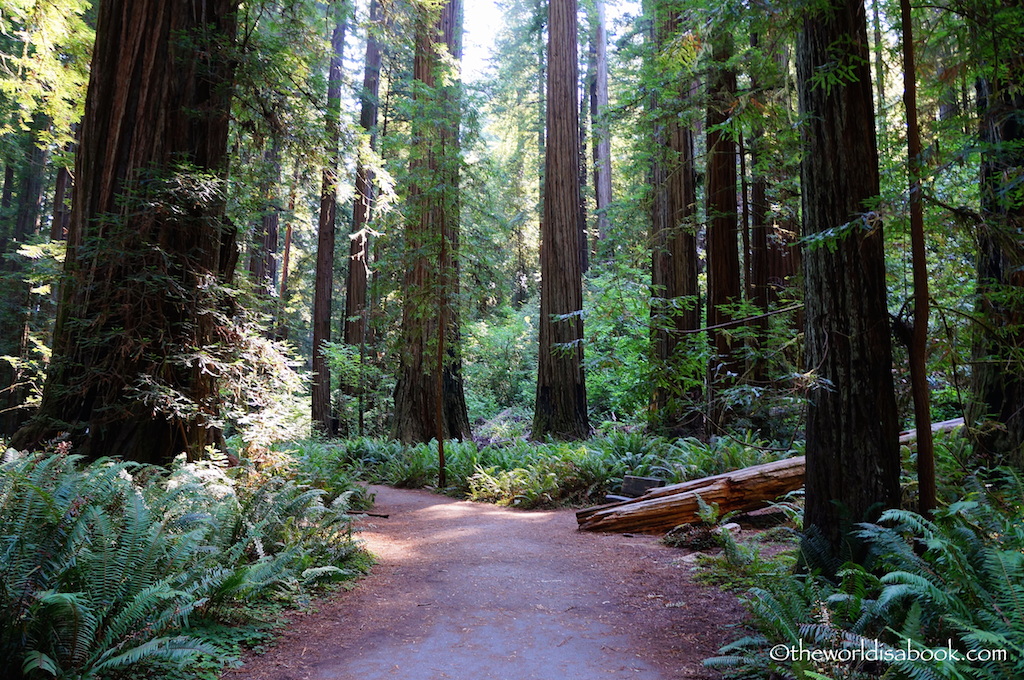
{"points": [[526, 474], [500, 363], [111, 565], [956, 582]]}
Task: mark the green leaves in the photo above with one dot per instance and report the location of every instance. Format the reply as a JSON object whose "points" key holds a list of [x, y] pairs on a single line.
{"points": [[105, 567]]}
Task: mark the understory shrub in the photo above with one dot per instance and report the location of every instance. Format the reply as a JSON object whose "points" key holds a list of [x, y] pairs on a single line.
{"points": [[932, 594], [109, 565], [537, 474]]}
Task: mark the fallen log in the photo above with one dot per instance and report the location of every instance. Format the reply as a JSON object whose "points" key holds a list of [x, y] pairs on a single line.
{"points": [[664, 508], [943, 426]]}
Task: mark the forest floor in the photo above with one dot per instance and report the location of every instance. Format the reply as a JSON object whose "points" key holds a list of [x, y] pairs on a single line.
{"points": [[470, 590]]}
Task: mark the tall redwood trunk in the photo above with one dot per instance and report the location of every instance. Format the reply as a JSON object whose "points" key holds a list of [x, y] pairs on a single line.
{"points": [[356, 321], [357, 310], [430, 319], [722, 228], [675, 308], [926, 491], [852, 447], [323, 418], [136, 322], [561, 406]]}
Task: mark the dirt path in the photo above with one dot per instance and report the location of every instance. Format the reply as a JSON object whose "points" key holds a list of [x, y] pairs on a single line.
{"points": [[472, 591]]}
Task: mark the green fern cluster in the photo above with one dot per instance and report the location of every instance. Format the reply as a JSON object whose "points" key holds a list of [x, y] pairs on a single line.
{"points": [[531, 474], [104, 566], [956, 582]]}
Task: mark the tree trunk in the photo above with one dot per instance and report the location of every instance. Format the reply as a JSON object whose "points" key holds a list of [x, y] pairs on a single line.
{"points": [[919, 336], [674, 303], [263, 259], [430, 318], [135, 325], [997, 375], [356, 311], [853, 459], [601, 132], [323, 418], [30, 197], [723, 225], [61, 212], [561, 405], [282, 294]]}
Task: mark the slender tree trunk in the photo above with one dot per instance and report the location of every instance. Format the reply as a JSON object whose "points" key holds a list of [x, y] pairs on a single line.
{"points": [[30, 196], [601, 132], [722, 230], [140, 285], [323, 418], [581, 170], [282, 294], [356, 310], [675, 306], [263, 258], [852, 448], [61, 212], [561, 407], [429, 399], [919, 337]]}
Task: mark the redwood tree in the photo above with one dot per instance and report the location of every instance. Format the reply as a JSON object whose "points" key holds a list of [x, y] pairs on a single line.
{"points": [[133, 371], [326, 230], [852, 430], [722, 225], [674, 304], [429, 399], [561, 405]]}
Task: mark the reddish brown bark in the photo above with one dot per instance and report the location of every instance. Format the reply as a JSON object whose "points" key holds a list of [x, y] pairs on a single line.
{"points": [[561, 406], [139, 284], [722, 228], [852, 452], [323, 418], [429, 399], [674, 303], [356, 311]]}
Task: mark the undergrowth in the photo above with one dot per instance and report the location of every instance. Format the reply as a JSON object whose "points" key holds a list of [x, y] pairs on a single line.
{"points": [[931, 594], [529, 474], [112, 567]]}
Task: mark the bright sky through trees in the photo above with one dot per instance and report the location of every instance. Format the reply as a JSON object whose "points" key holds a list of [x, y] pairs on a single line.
{"points": [[483, 20]]}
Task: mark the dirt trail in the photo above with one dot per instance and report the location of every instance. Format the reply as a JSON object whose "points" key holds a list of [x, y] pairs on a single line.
{"points": [[472, 591]]}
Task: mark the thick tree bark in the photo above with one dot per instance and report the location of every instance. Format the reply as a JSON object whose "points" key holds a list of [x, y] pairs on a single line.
{"points": [[853, 459], [561, 405], [722, 230], [135, 324], [430, 318], [674, 303], [323, 418], [997, 375]]}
